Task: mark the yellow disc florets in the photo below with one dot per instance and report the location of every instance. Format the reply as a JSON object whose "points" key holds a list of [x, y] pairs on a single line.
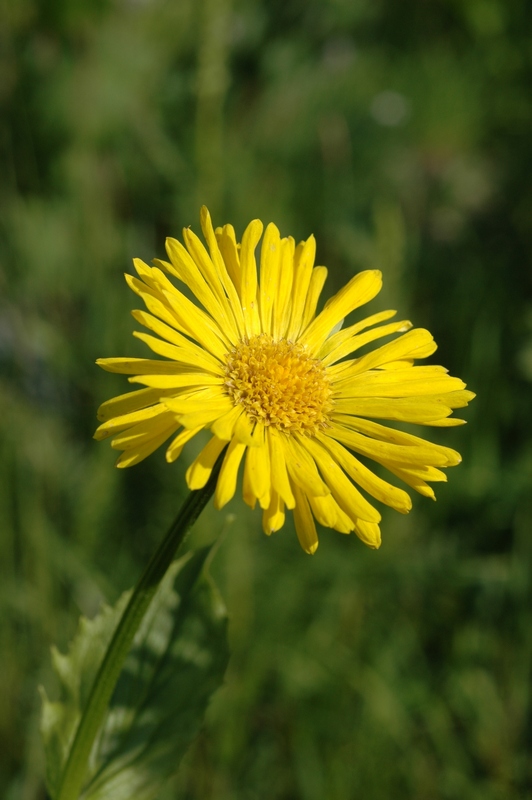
{"points": [[279, 384]]}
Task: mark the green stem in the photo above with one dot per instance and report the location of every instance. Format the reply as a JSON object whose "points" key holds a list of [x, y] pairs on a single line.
{"points": [[111, 666]]}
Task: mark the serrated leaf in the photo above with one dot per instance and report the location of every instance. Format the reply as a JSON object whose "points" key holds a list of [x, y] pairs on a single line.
{"points": [[76, 672], [177, 660]]}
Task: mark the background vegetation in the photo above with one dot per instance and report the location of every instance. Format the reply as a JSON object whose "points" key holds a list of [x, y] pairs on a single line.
{"points": [[400, 134]]}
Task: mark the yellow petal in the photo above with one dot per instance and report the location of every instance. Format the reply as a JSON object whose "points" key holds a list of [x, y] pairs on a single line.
{"points": [[339, 337], [317, 281], [402, 364], [248, 495], [417, 343], [244, 430], [404, 455], [128, 402], [356, 342], [324, 509], [154, 299], [203, 418], [270, 264], [204, 263], [282, 302], [224, 427], [145, 431], [377, 487], [248, 265], [201, 278], [448, 422], [385, 434], [162, 348], [304, 522], [360, 290], [174, 450], [343, 523], [273, 517], [458, 399], [369, 533], [417, 478], [200, 470], [186, 352], [157, 279], [147, 276], [120, 423], [222, 270], [302, 468], [259, 472], [228, 248], [280, 480], [419, 410], [200, 409], [187, 401], [136, 455], [229, 311], [199, 325], [344, 492], [410, 382], [167, 266], [302, 275], [178, 381], [226, 485], [139, 366], [181, 313]]}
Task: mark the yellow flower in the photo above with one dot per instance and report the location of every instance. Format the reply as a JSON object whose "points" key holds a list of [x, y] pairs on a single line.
{"points": [[267, 376]]}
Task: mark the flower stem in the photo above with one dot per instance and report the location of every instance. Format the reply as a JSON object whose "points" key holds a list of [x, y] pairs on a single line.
{"points": [[111, 666]]}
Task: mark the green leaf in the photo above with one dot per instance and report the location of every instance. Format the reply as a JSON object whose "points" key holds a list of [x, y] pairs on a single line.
{"points": [[177, 660]]}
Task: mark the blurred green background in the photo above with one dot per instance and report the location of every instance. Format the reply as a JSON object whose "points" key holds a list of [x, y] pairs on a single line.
{"points": [[400, 134]]}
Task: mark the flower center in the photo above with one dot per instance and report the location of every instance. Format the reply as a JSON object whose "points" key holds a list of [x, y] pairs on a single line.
{"points": [[279, 384]]}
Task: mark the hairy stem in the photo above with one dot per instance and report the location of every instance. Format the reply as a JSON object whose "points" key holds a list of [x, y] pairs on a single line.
{"points": [[111, 666]]}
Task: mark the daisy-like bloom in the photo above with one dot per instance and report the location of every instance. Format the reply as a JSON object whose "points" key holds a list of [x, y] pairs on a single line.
{"points": [[281, 386]]}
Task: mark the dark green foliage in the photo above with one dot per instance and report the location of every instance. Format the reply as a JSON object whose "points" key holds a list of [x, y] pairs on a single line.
{"points": [[398, 133]]}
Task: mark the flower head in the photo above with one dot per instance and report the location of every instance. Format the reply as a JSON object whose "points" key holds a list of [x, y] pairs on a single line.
{"points": [[279, 384]]}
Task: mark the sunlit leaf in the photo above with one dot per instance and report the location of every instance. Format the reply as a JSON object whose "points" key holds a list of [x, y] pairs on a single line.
{"points": [[178, 659]]}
